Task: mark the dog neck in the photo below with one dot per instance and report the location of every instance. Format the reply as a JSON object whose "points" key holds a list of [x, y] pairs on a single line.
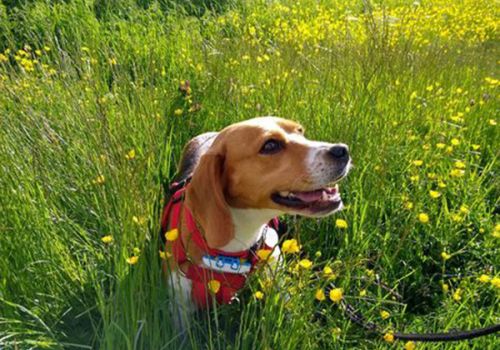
{"points": [[248, 227]]}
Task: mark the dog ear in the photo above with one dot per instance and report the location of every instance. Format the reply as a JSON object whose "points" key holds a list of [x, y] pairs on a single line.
{"points": [[206, 200]]}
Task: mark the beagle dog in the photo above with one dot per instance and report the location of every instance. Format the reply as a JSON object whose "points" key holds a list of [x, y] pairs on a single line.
{"points": [[240, 179]]}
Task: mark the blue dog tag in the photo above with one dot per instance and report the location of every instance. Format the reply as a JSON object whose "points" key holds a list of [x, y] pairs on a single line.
{"points": [[221, 263]]}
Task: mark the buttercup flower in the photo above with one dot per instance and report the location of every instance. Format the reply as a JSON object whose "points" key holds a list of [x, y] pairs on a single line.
{"points": [[305, 263], [495, 282], [164, 255], [336, 295], [389, 337], [445, 256], [213, 286], [327, 271], [132, 260], [258, 295], [130, 154], [320, 295], [457, 296], [264, 254], [410, 345], [457, 173], [290, 246], [423, 218], [342, 224], [385, 314], [172, 235], [484, 278], [434, 194], [107, 239]]}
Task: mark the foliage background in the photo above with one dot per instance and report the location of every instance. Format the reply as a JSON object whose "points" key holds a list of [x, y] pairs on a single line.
{"points": [[92, 123]]}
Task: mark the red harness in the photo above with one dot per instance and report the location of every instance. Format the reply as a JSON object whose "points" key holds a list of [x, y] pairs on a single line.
{"points": [[200, 276]]}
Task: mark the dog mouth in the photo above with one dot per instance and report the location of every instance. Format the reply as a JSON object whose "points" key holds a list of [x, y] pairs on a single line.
{"points": [[319, 201]]}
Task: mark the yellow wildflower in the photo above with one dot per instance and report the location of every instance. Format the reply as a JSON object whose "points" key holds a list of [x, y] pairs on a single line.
{"points": [[213, 286], [457, 296], [414, 178], [290, 246], [130, 155], [3, 58], [172, 235], [423, 218], [492, 122], [164, 255], [264, 254], [440, 145], [495, 281], [445, 287], [457, 173], [464, 209], [459, 164], [99, 180], [138, 220], [475, 147], [178, 111], [336, 295], [305, 263], [410, 345], [418, 162], [336, 331], [441, 184], [445, 256], [340, 223], [455, 141], [133, 260], [258, 295], [385, 314], [362, 293], [389, 337], [408, 205], [107, 239], [327, 271], [434, 194], [484, 278], [320, 295]]}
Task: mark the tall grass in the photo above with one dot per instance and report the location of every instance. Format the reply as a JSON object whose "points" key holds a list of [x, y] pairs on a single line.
{"points": [[92, 124]]}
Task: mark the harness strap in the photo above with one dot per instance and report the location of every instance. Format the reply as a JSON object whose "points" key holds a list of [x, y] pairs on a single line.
{"points": [[230, 283]]}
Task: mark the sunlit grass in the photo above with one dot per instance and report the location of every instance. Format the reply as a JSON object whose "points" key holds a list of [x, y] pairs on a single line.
{"points": [[94, 112]]}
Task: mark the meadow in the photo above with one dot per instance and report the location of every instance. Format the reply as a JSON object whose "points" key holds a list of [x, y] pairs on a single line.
{"points": [[95, 109]]}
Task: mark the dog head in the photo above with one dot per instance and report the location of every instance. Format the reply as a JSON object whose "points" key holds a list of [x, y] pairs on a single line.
{"points": [[267, 164]]}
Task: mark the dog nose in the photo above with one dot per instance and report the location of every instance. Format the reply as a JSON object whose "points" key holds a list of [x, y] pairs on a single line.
{"points": [[339, 152]]}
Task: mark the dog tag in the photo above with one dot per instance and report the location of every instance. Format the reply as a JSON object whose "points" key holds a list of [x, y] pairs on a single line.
{"points": [[227, 264]]}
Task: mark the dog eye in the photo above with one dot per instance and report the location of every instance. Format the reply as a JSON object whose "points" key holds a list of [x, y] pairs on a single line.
{"points": [[271, 146]]}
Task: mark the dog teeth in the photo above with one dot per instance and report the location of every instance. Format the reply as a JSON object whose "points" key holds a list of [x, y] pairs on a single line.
{"points": [[284, 193]]}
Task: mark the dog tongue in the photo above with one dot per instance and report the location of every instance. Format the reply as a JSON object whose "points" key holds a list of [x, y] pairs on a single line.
{"points": [[310, 196]]}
